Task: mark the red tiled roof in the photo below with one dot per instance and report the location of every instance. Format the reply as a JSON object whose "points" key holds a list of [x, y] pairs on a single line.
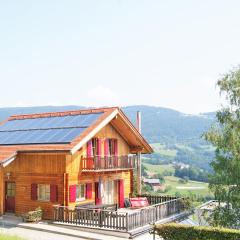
{"points": [[61, 114]]}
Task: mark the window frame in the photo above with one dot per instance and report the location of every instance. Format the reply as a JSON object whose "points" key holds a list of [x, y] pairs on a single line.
{"points": [[111, 146], [81, 198], [47, 192]]}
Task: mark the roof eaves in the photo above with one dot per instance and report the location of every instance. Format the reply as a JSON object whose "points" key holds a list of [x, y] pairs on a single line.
{"points": [[91, 131], [139, 135]]}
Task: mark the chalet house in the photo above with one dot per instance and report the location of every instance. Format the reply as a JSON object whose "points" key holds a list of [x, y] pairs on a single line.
{"points": [[67, 158]]}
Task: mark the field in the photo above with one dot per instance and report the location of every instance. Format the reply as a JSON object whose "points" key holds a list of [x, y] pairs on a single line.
{"points": [[154, 169], [163, 150], [194, 187], [200, 189]]}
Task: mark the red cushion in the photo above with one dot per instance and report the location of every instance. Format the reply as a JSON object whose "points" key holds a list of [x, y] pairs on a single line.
{"points": [[139, 202]]}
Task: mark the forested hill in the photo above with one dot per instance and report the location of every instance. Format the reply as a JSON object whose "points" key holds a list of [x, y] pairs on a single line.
{"points": [[175, 135]]}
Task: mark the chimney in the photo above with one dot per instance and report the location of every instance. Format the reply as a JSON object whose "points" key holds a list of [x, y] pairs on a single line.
{"points": [[139, 162], [139, 121]]}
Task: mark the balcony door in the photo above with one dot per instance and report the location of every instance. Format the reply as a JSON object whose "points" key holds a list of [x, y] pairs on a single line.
{"points": [[109, 190]]}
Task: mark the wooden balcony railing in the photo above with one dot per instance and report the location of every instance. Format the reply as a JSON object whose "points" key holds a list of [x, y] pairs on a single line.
{"points": [[108, 162]]}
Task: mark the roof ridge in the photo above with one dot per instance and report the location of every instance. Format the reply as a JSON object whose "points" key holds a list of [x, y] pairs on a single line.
{"points": [[60, 113]]}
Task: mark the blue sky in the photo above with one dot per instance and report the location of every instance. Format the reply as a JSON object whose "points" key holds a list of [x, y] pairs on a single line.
{"points": [[115, 52]]}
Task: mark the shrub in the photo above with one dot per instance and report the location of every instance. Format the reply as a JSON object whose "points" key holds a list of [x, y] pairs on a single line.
{"points": [[33, 216], [175, 231]]}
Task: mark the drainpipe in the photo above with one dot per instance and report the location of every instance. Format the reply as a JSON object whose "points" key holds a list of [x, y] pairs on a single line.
{"points": [[139, 177]]}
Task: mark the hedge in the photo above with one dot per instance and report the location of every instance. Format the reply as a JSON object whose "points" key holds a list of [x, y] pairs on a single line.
{"points": [[173, 231]]}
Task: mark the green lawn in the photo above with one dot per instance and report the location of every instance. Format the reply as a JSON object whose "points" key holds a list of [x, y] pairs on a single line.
{"points": [[152, 169], [9, 237], [161, 149], [198, 188]]}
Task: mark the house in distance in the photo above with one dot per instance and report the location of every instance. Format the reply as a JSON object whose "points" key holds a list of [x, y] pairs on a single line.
{"points": [[67, 158]]}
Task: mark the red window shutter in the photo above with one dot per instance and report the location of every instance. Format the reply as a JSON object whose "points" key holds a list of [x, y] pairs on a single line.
{"points": [[34, 192], [121, 193], [88, 190], [72, 193], [53, 193], [106, 147], [89, 149]]}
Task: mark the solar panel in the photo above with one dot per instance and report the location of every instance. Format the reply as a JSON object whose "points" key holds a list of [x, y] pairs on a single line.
{"points": [[45, 130]]}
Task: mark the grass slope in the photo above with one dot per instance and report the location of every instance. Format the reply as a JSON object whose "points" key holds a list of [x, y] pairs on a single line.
{"points": [[9, 237]]}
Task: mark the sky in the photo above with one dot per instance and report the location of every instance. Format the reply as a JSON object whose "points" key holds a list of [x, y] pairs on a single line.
{"points": [[117, 52]]}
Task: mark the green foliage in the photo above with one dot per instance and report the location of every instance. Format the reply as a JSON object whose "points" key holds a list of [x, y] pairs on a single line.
{"points": [[225, 137], [183, 180], [146, 188], [192, 173], [175, 231], [160, 177]]}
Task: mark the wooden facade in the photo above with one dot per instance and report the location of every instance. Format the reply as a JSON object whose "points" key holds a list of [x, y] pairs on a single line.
{"points": [[62, 169]]}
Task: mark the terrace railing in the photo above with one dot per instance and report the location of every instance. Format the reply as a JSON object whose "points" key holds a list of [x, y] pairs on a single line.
{"points": [[117, 220], [97, 163], [154, 199]]}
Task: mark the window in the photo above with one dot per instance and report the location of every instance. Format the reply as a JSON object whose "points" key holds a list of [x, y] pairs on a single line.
{"points": [[112, 146], [94, 146], [11, 189], [81, 192], [108, 187], [43, 192]]}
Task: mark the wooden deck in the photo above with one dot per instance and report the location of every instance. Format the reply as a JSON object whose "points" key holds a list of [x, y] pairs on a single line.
{"points": [[124, 219]]}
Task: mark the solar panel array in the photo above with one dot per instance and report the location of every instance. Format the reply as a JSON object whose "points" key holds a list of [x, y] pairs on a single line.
{"points": [[45, 130]]}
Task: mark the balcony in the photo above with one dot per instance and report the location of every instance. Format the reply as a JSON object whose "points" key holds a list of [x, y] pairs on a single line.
{"points": [[108, 163]]}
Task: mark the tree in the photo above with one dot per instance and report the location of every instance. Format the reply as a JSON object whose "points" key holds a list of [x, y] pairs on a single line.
{"points": [[225, 136]]}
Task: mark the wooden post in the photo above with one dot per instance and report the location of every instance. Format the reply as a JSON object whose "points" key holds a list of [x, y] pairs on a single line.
{"points": [[1, 190]]}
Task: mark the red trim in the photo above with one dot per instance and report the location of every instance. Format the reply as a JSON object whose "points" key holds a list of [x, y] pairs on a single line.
{"points": [[53, 193], [106, 147], [88, 190]]}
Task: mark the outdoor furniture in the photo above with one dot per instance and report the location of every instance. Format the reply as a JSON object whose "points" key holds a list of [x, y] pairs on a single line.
{"points": [[127, 203], [139, 202]]}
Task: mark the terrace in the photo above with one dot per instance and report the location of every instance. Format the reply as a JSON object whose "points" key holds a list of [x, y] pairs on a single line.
{"points": [[122, 219]]}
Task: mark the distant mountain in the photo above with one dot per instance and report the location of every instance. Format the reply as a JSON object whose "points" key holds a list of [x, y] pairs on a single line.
{"points": [[173, 130], [165, 125]]}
